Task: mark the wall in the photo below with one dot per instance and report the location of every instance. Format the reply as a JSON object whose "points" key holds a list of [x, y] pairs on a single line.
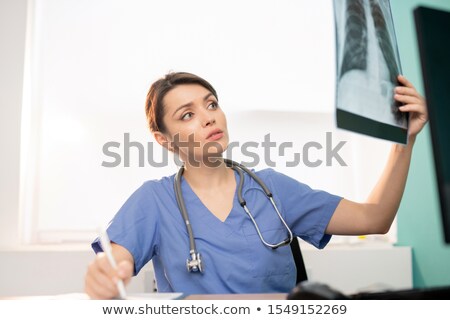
{"points": [[419, 224], [12, 40], [48, 270]]}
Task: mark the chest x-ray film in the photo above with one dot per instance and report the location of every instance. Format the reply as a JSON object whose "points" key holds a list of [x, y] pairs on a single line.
{"points": [[368, 64]]}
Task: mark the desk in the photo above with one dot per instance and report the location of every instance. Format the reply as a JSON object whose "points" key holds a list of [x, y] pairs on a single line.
{"points": [[161, 296], [255, 296]]}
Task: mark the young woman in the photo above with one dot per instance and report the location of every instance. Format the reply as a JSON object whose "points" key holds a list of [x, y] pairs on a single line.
{"points": [[237, 255]]}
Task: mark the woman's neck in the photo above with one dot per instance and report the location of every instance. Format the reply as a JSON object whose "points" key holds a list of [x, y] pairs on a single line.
{"points": [[207, 176]]}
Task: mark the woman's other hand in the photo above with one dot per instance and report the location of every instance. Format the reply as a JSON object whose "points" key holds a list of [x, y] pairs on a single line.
{"points": [[413, 103]]}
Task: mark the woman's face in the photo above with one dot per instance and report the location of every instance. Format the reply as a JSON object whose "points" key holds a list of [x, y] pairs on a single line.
{"points": [[196, 125]]}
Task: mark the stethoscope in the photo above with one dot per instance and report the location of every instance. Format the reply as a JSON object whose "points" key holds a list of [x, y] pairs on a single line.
{"points": [[194, 263]]}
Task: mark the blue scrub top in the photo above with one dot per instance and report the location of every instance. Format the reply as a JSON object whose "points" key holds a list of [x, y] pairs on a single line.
{"points": [[150, 226]]}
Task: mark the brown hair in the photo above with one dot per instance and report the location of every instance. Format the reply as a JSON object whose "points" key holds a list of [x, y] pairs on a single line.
{"points": [[154, 108]]}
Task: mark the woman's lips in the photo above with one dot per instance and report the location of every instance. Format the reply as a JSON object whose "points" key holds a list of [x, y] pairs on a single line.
{"points": [[215, 136]]}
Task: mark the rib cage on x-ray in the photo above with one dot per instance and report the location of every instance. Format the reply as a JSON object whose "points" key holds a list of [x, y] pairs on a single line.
{"points": [[355, 48], [356, 41], [384, 40]]}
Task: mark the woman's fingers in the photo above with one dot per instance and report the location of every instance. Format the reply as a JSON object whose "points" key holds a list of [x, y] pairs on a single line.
{"points": [[402, 79], [409, 96], [125, 270], [407, 99], [407, 91], [99, 286], [101, 279], [414, 103], [104, 280], [103, 263], [411, 108]]}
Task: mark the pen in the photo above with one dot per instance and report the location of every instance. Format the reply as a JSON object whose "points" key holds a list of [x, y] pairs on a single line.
{"points": [[106, 245]]}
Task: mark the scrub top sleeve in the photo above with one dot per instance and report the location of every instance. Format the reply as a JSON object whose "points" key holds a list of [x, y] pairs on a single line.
{"points": [[307, 211], [135, 227]]}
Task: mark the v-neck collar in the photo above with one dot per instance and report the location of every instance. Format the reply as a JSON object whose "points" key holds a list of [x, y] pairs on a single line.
{"points": [[189, 195]]}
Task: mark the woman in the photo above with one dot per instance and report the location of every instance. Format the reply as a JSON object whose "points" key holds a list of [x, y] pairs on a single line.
{"points": [[184, 117]]}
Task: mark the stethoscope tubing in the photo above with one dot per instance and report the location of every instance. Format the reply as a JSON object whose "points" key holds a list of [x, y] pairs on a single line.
{"points": [[195, 263]]}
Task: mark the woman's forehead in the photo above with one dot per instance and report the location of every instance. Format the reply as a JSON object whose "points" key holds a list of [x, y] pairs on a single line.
{"points": [[184, 94]]}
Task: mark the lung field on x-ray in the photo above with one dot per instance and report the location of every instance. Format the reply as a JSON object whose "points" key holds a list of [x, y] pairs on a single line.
{"points": [[384, 40], [355, 48], [387, 49], [356, 42], [355, 56]]}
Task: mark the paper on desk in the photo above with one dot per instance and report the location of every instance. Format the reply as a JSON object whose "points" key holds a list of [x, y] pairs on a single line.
{"points": [[156, 296], [83, 296]]}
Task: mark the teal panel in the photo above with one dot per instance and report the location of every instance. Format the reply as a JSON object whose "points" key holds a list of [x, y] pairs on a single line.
{"points": [[419, 221]]}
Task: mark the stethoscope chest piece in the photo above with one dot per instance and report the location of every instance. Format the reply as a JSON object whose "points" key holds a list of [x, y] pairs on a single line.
{"points": [[195, 263]]}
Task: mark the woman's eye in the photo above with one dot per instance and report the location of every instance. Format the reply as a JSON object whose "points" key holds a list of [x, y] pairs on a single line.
{"points": [[213, 105], [186, 116]]}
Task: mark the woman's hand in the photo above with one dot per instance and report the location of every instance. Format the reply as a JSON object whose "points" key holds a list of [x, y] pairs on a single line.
{"points": [[101, 278], [414, 103]]}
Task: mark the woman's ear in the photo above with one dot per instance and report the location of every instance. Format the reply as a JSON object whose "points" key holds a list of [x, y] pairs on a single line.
{"points": [[162, 140]]}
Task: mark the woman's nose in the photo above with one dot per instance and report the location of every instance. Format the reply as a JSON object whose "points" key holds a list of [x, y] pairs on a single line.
{"points": [[207, 118]]}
